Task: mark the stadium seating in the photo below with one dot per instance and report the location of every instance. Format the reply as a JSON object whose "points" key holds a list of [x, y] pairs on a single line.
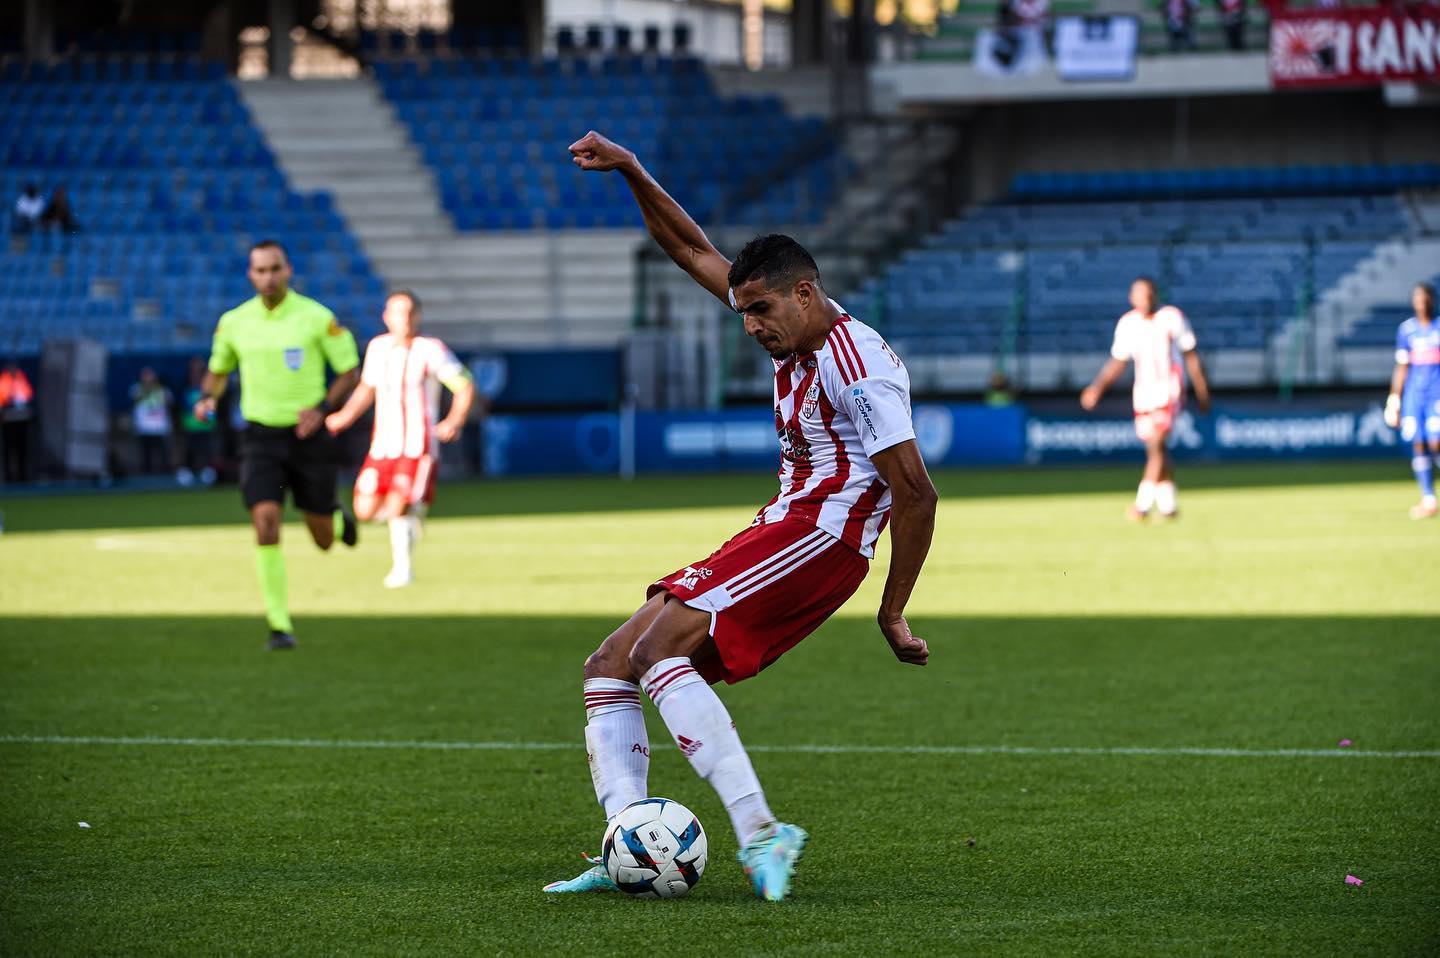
{"points": [[484, 124], [1238, 181], [170, 182], [1055, 276], [1377, 330]]}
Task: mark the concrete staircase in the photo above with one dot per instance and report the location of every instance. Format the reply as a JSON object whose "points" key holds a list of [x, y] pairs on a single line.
{"points": [[1386, 276], [478, 289]]}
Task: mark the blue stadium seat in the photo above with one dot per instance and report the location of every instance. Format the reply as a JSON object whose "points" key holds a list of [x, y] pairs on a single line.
{"points": [[170, 182]]}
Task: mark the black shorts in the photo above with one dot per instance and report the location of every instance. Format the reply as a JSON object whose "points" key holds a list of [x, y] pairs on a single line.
{"points": [[274, 459]]}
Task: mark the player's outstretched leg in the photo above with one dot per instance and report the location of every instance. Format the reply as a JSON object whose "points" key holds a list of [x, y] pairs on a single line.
{"points": [[702, 728], [402, 543], [1165, 500], [617, 745], [270, 572], [1423, 467]]}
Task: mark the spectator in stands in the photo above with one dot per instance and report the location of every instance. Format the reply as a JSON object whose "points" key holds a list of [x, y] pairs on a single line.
{"points": [[29, 207], [1232, 18], [152, 411], [1034, 14], [17, 400], [58, 213], [199, 434], [1022, 23], [999, 393], [1180, 22]]}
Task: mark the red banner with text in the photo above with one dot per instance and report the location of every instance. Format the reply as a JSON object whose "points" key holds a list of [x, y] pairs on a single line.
{"points": [[1355, 46]]}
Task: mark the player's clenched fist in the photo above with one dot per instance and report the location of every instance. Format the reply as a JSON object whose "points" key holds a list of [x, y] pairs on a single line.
{"points": [[907, 648], [595, 152]]}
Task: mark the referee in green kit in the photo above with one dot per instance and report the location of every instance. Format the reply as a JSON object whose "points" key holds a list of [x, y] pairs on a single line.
{"points": [[281, 342]]}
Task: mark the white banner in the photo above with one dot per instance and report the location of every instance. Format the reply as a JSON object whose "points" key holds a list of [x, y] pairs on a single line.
{"points": [[1010, 51], [1096, 48]]}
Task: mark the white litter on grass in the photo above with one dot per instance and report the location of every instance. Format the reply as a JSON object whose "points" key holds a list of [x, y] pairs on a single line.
{"points": [[83, 824]]}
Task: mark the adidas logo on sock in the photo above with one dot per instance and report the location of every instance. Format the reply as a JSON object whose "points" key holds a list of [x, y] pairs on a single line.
{"points": [[688, 747]]}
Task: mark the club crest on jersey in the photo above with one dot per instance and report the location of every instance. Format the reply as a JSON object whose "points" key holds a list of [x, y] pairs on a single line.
{"points": [[692, 576], [294, 359], [812, 400]]}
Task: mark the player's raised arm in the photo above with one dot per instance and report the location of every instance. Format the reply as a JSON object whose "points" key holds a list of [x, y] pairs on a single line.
{"points": [[912, 525], [678, 235]]}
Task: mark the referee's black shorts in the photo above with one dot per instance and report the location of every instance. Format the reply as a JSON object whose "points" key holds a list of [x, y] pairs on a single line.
{"points": [[273, 459]]}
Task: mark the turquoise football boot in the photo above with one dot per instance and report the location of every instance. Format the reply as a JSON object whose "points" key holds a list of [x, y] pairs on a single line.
{"points": [[594, 878], [769, 860]]}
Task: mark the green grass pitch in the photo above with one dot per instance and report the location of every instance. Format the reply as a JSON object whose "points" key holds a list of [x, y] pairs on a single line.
{"points": [[1202, 672]]}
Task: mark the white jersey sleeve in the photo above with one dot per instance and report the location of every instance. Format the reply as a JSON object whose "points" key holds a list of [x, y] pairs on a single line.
{"points": [[441, 362], [372, 373], [871, 386], [1180, 332], [1121, 347]]}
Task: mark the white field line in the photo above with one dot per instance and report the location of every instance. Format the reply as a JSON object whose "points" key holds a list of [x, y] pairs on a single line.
{"points": [[400, 745]]}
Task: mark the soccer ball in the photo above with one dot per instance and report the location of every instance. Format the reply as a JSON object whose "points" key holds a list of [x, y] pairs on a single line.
{"points": [[655, 848]]}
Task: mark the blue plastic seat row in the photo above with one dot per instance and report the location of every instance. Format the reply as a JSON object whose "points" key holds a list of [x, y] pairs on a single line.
{"points": [[1220, 182]]}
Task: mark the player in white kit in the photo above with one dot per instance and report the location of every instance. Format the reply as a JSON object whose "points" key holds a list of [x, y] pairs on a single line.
{"points": [[849, 467], [1156, 339], [402, 375]]}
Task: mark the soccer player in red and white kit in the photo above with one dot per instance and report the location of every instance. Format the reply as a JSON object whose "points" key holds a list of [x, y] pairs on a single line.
{"points": [[1154, 338], [849, 464], [401, 376]]}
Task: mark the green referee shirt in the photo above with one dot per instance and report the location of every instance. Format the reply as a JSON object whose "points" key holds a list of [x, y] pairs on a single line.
{"points": [[281, 353]]}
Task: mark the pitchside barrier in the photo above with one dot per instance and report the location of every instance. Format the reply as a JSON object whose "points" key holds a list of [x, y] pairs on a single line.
{"points": [[949, 434]]}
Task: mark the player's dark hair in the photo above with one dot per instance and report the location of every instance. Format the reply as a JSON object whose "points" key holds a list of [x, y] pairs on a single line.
{"points": [[272, 244], [1428, 289], [776, 258], [408, 294], [1148, 281]]}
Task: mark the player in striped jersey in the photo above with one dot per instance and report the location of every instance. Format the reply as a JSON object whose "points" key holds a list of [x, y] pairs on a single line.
{"points": [[849, 463], [402, 375], [1154, 338]]}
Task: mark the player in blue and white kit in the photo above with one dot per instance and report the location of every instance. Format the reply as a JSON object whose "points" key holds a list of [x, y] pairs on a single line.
{"points": [[1413, 405]]}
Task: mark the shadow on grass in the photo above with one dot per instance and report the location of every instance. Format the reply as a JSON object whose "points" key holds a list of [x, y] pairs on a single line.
{"points": [[745, 492], [1095, 681]]}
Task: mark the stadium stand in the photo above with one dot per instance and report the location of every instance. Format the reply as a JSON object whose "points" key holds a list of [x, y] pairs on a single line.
{"points": [[482, 124], [170, 182], [1242, 181], [1051, 277]]}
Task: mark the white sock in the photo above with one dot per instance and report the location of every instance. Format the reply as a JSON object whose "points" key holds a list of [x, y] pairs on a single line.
{"points": [[402, 539], [1165, 497], [616, 743], [1145, 496], [703, 730]]}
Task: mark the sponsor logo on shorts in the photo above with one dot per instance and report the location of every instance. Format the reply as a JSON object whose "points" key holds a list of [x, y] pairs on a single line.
{"points": [[637, 747], [863, 407], [692, 576], [294, 359]]}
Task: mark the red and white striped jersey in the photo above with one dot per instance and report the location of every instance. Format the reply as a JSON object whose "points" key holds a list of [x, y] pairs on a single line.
{"points": [[834, 409], [1154, 343], [406, 378]]}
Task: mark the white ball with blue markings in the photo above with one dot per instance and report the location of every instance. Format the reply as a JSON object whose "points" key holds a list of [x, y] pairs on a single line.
{"points": [[655, 848]]}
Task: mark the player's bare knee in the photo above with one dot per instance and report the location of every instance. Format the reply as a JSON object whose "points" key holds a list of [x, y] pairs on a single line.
{"points": [[609, 662]]}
